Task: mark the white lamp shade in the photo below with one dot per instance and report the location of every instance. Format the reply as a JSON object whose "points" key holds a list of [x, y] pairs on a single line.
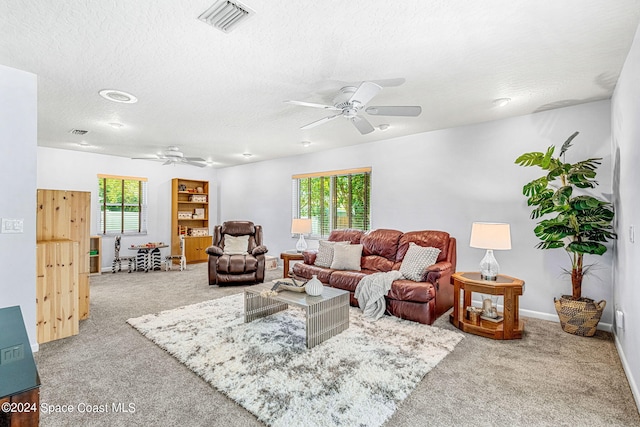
{"points": [[301, 226], [490, 235]]}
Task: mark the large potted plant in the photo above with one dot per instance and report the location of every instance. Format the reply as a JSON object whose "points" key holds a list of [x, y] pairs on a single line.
{"points": [[573, 220]]}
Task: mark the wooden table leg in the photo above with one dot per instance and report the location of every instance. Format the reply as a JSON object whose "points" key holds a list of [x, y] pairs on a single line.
{"points": [[509, 315], [456, 304]]}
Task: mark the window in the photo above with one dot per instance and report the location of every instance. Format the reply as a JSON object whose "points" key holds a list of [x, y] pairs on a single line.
{"points": [[333, 200], [123, 204]]}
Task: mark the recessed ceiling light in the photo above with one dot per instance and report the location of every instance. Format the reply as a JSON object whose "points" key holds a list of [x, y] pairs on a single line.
{"points": [[501, 102], [383, 127], [306, 143], [116, 125], [118, 96], [247, 155], [83, 144]]}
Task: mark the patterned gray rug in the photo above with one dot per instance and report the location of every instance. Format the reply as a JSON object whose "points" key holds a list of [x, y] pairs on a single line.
{"points": [[356, 378]]}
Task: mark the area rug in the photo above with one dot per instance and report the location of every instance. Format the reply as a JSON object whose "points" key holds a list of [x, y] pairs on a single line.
{"points": [[356, 378]]}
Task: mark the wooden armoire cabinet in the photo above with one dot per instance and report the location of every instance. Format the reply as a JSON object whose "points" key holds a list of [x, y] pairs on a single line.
{"points": [[62, 262]]}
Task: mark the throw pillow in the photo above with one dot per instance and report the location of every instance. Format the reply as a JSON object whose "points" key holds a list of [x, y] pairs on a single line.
{"points": [[324, 257], [236, 245], [346, 257], [417, 260]]}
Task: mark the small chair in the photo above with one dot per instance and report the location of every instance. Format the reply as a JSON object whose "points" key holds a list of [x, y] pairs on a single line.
{"points": [[117, 259], [168, 260]]}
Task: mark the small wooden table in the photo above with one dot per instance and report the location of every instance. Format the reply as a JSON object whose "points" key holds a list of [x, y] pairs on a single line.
{"points": [[510, 288], [290, 256]]}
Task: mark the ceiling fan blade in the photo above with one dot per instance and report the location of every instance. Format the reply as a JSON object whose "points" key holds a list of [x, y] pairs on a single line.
{"points": [[365, 92], [321, 121], [194, 159], [200, 165], [390, 82], [314, 105], [168, 162], [409, 111], [362, 125]]}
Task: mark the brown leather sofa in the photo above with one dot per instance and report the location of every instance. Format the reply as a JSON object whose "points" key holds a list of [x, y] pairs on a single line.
{"points": [[383, 250], [230, 269]]}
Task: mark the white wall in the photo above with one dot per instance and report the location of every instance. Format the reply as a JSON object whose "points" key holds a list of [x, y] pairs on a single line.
{"points": [[625, 111], [74, 170], [445, 180], [18, 139]]}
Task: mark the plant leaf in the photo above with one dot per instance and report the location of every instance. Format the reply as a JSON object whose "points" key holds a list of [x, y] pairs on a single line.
{"points": [[530, 159], [546, 160], [593, 248], [567, 143], [561, 197]]}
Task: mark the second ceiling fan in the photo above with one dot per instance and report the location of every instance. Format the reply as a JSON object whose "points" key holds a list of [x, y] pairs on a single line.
{"points": [[350, 100]]}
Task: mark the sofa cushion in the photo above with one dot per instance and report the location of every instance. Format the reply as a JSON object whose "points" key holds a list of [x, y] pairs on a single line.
{"points": [[381, 242], [408, 290], [324, 257], [347, 280], [350, 235], [346, 257], [426, 238], [376, 263], [416, 260], [305, 271]]}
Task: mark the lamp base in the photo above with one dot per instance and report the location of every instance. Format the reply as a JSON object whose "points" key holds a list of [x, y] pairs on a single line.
{"points": [[301, 246], [489, 267]]}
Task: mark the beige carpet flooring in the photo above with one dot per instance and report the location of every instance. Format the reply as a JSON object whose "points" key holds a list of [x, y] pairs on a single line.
{"points": [[549, 378]]}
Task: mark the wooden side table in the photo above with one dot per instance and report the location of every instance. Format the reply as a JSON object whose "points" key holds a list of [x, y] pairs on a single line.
{"points": [[510, 288], [290, 256]]}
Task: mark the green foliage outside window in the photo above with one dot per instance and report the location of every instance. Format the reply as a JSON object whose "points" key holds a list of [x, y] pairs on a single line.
{"points": [[333, 202], [122, 205]]}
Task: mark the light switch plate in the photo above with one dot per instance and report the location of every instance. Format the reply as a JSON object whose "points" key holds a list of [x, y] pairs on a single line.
{"points": [[12, 225]]}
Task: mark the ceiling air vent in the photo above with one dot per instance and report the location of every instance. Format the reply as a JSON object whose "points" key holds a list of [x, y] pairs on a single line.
{"points": [[225, 15], [78, 132]]}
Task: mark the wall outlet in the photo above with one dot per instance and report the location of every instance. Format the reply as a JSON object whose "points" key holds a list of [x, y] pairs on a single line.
{"points": [[12, 225], [619, 319]]}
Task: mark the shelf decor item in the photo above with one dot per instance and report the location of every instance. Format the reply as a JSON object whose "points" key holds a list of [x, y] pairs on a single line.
{"points": [[577, 222], [314, 287]]}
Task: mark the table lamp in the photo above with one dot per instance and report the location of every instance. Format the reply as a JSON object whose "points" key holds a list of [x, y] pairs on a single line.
{"points": [[490, 236], [301, 226]]}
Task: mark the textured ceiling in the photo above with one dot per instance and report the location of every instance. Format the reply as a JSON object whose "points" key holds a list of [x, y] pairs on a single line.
{"points": [[218, 95]]}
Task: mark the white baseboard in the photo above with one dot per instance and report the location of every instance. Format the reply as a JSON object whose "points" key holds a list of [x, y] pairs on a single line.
{"points": [[552, 317], [35, 347], [627, 370]]}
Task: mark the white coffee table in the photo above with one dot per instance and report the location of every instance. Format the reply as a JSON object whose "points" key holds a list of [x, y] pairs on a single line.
{"points": [[326, 315]]}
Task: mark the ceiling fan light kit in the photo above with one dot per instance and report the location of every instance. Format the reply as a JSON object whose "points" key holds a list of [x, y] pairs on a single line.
{"points": [[350, 100], [172, 156]]}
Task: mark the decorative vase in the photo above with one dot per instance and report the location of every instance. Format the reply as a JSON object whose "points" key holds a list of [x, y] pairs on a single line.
{"points": [[579, 317], [314, 287]]}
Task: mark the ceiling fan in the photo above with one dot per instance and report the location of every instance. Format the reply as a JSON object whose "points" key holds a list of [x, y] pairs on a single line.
{"points": [[350, 100], [172, 156]]}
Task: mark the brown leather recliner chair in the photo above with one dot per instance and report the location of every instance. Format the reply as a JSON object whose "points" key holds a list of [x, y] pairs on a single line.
{"points": [[237, 268]]}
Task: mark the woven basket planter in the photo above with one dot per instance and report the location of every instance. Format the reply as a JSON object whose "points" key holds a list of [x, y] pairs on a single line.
{"points": [[579, 317]]}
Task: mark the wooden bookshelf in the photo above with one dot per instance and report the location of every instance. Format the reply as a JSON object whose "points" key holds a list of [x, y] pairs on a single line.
{"points": [[190, 217]]}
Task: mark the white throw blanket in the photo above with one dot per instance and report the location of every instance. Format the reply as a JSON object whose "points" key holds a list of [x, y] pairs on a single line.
{"points": [[371, 290]]}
